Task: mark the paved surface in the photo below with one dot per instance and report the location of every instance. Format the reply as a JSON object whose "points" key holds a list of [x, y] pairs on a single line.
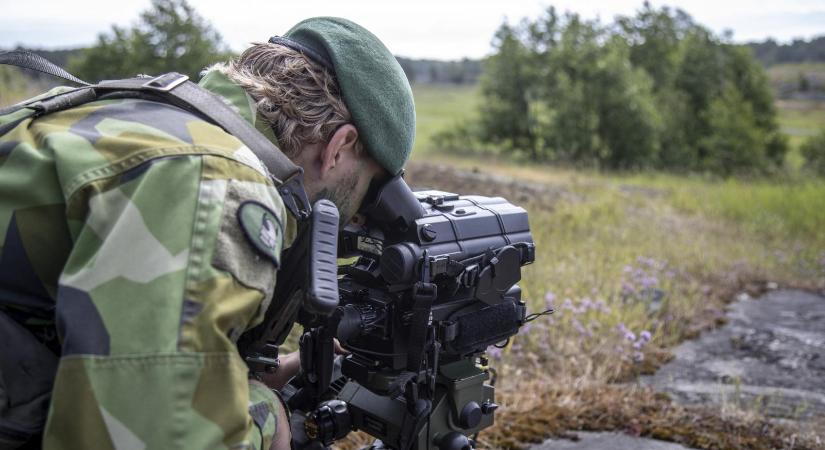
{"points": [[771, 355], [607, 441]]}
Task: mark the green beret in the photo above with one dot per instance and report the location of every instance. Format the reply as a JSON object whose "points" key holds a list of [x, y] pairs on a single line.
{"points": [[373, 85]]}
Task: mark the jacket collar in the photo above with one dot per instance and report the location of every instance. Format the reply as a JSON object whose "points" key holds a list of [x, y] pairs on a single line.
{"points": [[218, 83]]}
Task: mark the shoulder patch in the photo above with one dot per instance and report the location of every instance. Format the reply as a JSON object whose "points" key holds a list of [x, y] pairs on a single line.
{"points": [[263, 229]]}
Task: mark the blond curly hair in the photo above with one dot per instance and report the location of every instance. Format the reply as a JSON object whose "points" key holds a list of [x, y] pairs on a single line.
{"points": [[298, 98]]}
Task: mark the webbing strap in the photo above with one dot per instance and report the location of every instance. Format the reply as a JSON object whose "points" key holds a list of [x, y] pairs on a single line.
{"points": [[175, 88], [33, 61], [424, 294]]}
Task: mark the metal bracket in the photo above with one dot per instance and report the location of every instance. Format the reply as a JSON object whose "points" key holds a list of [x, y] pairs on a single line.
{"points": [[295, 197], [166, 82]]}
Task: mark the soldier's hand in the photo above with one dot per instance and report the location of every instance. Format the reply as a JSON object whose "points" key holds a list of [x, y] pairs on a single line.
{"points": [[289, 366], [338, 348]]}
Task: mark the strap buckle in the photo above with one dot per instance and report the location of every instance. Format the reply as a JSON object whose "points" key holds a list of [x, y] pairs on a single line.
{"points": [[295, 197], [166, 82]]}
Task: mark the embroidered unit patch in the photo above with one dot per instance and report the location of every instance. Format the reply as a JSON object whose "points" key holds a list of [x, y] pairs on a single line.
{"points": [[263, 229]]}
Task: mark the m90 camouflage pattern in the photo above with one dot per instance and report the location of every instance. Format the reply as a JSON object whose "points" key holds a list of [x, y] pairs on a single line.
{"points": [[121, 230]]}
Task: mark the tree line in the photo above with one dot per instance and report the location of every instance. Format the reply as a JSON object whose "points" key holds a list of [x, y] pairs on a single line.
{"points": [[654, 90], [771, 52]]}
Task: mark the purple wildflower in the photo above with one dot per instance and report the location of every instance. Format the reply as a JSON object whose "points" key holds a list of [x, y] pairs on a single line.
{"points": [[649, 282], [645, 336], [628, 288], [494, 352], [630, 336], [549, 298], [582, 329]]}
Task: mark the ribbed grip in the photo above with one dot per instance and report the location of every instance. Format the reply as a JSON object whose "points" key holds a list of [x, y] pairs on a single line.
{"points": [[322, 293]]}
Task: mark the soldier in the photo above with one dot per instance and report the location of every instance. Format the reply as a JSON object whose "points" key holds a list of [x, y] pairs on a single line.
{"points": [[140, 242]]}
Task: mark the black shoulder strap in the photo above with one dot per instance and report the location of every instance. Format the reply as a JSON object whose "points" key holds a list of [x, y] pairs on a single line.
{"points": [[33, 61], [175, 89]]}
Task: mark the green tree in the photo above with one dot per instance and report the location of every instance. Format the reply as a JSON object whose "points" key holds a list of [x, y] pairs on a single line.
{"points": [[169, 36], [505, 112], [629, 124], [654, 36], [752, 82], [653, 90], [571, 64], [699, 75], [736, 145], [813, 149], [599, 108]]}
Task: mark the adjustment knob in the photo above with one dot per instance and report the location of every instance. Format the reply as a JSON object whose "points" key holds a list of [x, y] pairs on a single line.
{"points": [[470, 415], [454, 441], [428, 234]]}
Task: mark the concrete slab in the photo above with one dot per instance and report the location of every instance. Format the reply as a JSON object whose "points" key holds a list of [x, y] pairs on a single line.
{"points": [[607, 441], [770, 356]]}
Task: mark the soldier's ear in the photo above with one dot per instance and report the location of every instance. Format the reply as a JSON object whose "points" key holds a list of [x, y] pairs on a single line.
{"points": [[340, 145]]}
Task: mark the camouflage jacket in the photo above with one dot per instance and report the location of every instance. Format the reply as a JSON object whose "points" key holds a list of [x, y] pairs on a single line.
{"points": [[122, 219]]}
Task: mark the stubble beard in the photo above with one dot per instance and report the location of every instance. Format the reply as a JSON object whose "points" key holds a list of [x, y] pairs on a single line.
{"points": [[341, 196]]}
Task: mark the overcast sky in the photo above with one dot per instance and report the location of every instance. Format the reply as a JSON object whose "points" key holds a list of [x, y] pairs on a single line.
{"points": [[442, 29]]}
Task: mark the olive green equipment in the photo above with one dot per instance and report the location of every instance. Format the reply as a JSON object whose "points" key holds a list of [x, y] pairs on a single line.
{"points": [[433, 286]]}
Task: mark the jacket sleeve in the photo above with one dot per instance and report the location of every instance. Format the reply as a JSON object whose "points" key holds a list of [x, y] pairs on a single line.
{"points": [[160, 283]]}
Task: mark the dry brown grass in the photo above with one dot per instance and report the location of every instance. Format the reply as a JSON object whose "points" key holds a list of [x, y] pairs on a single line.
{"points": [[546, 407]]}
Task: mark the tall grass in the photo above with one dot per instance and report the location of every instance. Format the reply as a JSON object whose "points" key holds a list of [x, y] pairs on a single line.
{"points": [[14, 86], [787, 211]]}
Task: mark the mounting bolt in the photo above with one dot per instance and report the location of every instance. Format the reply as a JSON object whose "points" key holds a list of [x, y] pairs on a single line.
{"points": [[427, 233]]}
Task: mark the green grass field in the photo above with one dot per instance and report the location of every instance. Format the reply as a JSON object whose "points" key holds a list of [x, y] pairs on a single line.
{"points": [[439, 107], [799, 120], [790, 73]]}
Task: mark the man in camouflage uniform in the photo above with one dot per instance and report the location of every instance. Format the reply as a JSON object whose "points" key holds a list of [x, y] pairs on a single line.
{"points": [[140, 241]]}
